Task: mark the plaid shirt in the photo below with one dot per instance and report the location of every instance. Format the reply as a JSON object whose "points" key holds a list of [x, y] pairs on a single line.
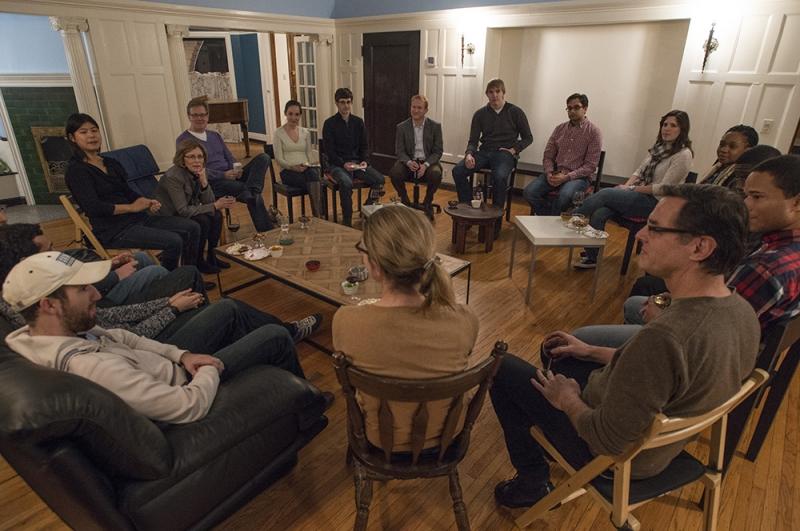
{"points": [[769, 278], [574, 148]]}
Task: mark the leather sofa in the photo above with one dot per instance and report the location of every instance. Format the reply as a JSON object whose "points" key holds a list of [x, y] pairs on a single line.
{"points": [[100, 465]]}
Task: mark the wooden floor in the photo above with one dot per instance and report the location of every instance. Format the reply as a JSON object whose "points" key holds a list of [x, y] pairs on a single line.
{"points": [[318, 493]]}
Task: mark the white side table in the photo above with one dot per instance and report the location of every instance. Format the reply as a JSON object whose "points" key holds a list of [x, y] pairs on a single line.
{"points": [[550, 231]]}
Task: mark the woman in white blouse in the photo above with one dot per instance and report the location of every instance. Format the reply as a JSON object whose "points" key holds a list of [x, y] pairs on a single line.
{"points": [[667, 162], [292, 145]]}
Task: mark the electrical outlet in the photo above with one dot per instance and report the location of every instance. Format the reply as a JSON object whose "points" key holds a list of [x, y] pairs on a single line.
{"points": [[766, 126]]}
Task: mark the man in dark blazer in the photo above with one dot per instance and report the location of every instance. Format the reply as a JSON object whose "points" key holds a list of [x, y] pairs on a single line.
{"points": [[418, 146]]}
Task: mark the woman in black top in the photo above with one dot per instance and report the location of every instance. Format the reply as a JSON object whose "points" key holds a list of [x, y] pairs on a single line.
{"points": [[120, 217]]}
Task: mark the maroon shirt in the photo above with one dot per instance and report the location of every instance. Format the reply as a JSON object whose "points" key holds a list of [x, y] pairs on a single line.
{"points": [[574, 149]]}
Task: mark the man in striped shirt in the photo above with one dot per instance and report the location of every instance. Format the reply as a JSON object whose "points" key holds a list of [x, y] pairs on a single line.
{"points": [[570, 160]]}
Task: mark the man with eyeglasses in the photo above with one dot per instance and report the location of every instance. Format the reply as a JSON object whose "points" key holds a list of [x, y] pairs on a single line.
{"points": [[226, 176], [570, 159], [601, 399]]}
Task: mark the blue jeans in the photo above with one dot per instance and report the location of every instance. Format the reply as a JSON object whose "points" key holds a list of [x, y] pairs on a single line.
{"points": [[175, 236], [500, 162], [135, 283], [612, 336], [248, 189], [536, 192], [371, 176], [610, 202]]}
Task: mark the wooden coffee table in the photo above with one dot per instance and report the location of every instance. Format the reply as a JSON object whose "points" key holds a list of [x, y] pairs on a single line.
{"points": [[464, 216], [334, 246]]}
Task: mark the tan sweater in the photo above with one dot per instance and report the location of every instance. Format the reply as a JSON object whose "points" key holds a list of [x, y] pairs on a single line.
{"points": [[688, 361], [406, 343]]}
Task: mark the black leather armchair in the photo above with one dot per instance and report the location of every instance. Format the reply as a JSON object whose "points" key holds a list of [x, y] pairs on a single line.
{"points": [[100, 465]]}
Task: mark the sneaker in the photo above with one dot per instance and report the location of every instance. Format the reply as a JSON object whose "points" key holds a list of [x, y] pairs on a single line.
{"points": [[517, 492], [305, 327], [585, 263]]}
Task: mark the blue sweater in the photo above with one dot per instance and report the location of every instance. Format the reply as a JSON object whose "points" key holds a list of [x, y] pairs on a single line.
{"points": [[220, 158]]}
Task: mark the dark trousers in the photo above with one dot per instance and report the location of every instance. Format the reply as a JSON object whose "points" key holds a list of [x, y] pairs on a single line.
{"points": [[400, 174], [175, 236], [248, 189], [519, 406], [307, 180], [344, 178], [210, 230], [500, 162]]}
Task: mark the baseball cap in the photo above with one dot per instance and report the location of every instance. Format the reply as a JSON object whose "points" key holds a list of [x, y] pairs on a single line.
{"points": [[41, 274]]}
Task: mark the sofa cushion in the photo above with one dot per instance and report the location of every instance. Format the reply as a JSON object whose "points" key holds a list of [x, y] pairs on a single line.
{"points": [[38, 404]]}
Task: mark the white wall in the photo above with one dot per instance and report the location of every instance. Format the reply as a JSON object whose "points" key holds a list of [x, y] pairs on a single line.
{"points": [[630, 81]]}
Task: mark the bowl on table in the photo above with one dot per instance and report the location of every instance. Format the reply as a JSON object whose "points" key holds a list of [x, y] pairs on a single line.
{"points": [[312, 265], [476, 203], [452, 204], [349, 288], [276, 251]]}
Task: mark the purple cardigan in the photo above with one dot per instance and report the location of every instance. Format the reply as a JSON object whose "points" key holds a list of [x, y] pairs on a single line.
{"points": [[220, 158]]}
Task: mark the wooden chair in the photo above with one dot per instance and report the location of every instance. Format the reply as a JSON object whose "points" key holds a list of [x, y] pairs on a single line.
{"points": [[330, 183], [621, 495], [776, 339], [83, 231], [372, 463], [411, 176], [290, 192]]}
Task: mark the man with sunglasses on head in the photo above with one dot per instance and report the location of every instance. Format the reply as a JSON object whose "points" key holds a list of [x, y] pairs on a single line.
{"points": [[570, 159], [599, 400]]}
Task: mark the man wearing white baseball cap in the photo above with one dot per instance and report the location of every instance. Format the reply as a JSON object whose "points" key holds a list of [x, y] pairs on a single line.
{"points": [[53, 292]]}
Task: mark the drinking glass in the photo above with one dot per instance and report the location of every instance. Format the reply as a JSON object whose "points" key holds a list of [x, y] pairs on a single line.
{"points": [[577, 199], [233, 223]]}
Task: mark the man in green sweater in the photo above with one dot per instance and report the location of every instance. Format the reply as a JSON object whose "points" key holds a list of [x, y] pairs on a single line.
{"points": [[600, 401]]}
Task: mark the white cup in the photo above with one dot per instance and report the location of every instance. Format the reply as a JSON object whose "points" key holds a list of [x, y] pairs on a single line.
{"points": [[476, 203]]}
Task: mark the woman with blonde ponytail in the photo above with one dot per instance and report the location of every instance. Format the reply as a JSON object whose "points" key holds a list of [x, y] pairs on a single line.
{"points": [[416, 330]]}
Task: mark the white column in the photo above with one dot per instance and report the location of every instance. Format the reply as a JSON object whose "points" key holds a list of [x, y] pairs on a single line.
{"points": [[325, 64], [70, 29], [180, 72]]}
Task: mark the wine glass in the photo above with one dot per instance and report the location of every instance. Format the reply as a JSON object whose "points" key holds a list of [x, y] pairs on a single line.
{"points": [[577, 199], [233, 223]]}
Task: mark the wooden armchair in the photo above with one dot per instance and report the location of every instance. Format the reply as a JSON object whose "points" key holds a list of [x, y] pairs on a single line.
{"points": [[372, 463], [620, 495]]}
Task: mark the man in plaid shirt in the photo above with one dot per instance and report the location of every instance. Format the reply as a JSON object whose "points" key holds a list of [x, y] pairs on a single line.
{"points": [[570, 159], [768, 278]]}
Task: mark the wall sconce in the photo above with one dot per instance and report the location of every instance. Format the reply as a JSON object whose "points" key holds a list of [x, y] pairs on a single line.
{"points": [[466, 47], [709, 47]]}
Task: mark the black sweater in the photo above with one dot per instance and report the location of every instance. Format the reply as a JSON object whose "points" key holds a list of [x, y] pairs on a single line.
{"points": [[345, 141]]}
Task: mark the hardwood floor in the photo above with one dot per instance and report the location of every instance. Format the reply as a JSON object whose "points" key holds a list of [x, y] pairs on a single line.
{"points": [[318, 492]]}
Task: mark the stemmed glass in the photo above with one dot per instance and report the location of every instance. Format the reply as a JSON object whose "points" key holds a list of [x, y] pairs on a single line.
{"points": [[577, 199]]}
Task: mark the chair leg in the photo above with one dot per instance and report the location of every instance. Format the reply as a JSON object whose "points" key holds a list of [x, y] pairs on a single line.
{"points": [[777, 389], [626, 258], [460, 510], [303, 205], [333, 200], [290, 207], [363, 497], [711, 503]]}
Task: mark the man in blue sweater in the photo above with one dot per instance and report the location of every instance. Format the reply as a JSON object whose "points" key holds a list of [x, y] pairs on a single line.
{"points": [[225, 175]]}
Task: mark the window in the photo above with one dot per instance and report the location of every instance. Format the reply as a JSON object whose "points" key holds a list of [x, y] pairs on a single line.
{"points": [[306, 83]]}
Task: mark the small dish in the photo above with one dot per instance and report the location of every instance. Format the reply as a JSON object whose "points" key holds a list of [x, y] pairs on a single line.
{"points": [[476, 203], [237, 249], [276, 251], [312, 265], [452, 204], [349, 288], [256, 254], [594, 233]]}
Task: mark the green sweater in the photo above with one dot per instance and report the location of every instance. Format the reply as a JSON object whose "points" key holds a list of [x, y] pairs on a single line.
{"points": [[684, 363]]}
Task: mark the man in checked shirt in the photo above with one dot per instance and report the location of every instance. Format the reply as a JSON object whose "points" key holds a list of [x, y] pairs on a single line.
{"points": [[570, 160]]}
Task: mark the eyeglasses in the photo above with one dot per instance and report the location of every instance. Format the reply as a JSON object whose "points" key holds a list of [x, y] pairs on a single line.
{"points": [[574, 107], [656, 229], [360, 247], [194, 157], [198, 115]]}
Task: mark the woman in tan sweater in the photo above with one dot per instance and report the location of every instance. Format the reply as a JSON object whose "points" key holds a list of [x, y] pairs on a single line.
{"points": [[416, 329]]}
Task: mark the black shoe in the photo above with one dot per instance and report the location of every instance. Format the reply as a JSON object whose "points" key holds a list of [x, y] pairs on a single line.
{"points": [[585, 263], [517, 492], [210, 285], [207, 268], [305, 327]]}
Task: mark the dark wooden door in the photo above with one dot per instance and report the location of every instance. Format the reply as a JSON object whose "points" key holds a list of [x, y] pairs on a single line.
{"points": [[391, 77]]}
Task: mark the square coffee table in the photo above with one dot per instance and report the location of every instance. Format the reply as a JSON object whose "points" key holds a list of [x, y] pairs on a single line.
{"points": [[550, 231]]}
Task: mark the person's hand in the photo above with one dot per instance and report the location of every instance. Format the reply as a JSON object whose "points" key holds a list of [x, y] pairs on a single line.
{"points": [[556, 388], [650, 310], [202, 177], [3, 217], [557, 178], [511, 150], [362, 165], [421, 171], [300, 168], [126, 270], [232, 174], [121, 259], [155, 206], [224, 202], [469, 161], [563, 345], [191, 362], [186, 300], [141, 203], [413, 165], [625, 186], [350, 166]]}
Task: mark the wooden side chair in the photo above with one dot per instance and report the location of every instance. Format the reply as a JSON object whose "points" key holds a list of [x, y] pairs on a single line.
{"points": [[289, 192], [85, 236], [621, 495], [373, 463], [330, 183]]}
